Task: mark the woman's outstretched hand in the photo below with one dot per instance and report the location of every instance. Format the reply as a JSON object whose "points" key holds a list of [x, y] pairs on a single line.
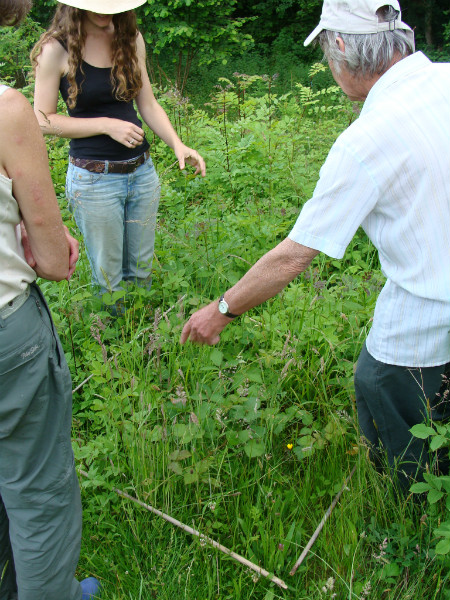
{"points": [[191, 157]]}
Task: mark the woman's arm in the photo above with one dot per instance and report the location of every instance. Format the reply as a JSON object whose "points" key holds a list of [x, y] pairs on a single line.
{"points": [[158, 121], [23, 158], [74, 248], [51, 66]]}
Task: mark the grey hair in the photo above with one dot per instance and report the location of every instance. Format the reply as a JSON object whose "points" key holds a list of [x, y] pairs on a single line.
{"points": [[368, 54]]}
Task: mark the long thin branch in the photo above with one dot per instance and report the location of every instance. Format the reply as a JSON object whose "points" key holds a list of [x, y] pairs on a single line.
{"points": [[82, 383], [203, 538], [320, 526]]}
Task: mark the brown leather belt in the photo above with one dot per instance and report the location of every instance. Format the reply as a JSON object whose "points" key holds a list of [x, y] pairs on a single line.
{"points": [[110, 166]]}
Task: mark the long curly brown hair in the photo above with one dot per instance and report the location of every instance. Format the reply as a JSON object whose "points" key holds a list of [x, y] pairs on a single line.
{"points": [[67, 27], [13, 11]]}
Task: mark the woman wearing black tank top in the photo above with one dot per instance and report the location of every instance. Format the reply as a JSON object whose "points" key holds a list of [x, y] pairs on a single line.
{"points": [[94, 55]]}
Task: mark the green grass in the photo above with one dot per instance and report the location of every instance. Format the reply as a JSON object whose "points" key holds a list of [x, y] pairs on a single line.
{"points": [[205, 434]]}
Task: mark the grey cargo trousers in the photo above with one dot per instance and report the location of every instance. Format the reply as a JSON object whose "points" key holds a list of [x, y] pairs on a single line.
{"points": [[40, 507]]}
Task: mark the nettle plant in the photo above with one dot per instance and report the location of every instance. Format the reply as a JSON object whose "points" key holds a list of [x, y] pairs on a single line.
{"points": [[437, 487]]}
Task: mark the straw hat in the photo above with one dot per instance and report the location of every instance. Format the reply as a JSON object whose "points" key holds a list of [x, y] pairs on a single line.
{"points": [[104, 7]]}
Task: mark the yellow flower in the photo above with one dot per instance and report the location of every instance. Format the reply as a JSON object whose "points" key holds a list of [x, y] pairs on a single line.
{"points": [[289, 446]]}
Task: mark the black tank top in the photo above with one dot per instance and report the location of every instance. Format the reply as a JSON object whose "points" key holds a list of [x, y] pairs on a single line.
{"points": [[96, 99]]}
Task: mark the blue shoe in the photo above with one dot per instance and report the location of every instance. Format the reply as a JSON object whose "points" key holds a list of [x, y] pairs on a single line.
{"points": [[91, 588]]}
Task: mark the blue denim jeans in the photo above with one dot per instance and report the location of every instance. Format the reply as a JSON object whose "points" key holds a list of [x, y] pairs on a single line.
{"points": [[116, 215]]}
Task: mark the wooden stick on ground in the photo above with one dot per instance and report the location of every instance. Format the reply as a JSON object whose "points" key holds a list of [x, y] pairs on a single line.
{"points": [[82, 383], [203, 538], [321, 524]]}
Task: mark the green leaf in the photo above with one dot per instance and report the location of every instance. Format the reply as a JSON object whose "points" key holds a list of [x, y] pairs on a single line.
{"points": [[183, 432], [110, 299], [443, 547], [434, 496], [175, 467], [443, 530], [437, 442], [253, 449], [216, 357], [232, 438], [422, 431], [157, 434], [254, 375], [244, 435], [391, 570], [190, 476], [420, 488], [445, 480], [301, 454], [179, 455]]}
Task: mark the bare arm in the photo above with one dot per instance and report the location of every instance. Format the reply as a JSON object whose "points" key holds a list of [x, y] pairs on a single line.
{"points": [[158, 121], [23, 158], [73, 250], [52, 64], [264, 280]]}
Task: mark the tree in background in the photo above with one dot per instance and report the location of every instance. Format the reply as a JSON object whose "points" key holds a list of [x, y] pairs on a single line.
{"points": [[281, 25], [15, 46], [43, 11], [428, 19], [206, 30], [210, 31], [269, 22]]}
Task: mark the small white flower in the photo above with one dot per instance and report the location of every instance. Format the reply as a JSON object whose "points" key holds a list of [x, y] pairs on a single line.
{"points": [[366, 590], [330, 583]]}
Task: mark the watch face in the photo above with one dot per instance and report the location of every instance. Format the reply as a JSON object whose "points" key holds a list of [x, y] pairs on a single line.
{"points": [[223, 307]]}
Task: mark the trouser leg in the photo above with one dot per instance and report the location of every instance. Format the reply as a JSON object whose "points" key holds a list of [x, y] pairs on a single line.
{"points": [[140, 224], [8, 587], [38, 482], [97, 203], [392, 399]]}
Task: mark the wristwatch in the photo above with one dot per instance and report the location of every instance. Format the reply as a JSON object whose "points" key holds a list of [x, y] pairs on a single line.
{"points": [[223, 308]]}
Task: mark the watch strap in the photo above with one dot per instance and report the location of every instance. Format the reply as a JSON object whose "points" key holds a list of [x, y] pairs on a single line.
{"points": [[227, 314]]}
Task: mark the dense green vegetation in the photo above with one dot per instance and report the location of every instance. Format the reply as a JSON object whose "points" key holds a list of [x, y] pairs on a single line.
{"points": [[248, 442], [279, 25]]}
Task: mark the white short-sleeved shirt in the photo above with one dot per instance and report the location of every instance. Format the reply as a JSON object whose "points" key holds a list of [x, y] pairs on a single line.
{"points": [[389, 172]]}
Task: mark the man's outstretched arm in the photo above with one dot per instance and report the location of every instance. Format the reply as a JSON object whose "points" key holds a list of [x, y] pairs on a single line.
{"points": [[264, 280]]}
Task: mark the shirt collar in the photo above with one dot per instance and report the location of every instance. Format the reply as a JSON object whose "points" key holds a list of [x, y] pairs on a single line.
{"points": [[403, 68]]}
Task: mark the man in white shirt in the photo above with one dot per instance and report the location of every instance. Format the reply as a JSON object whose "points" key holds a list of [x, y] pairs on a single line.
{"points": [[388, 173]]}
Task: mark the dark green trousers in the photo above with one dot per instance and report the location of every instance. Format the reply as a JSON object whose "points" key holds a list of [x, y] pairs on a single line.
{"points": [[390, 400], [40, 508]]}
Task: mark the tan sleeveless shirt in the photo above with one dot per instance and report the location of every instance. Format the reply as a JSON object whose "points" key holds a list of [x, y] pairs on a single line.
{"points": [[15, 273]]}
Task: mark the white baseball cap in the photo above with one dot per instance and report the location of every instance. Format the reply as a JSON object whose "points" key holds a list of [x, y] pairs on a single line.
{"points": [[356, 16]]}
